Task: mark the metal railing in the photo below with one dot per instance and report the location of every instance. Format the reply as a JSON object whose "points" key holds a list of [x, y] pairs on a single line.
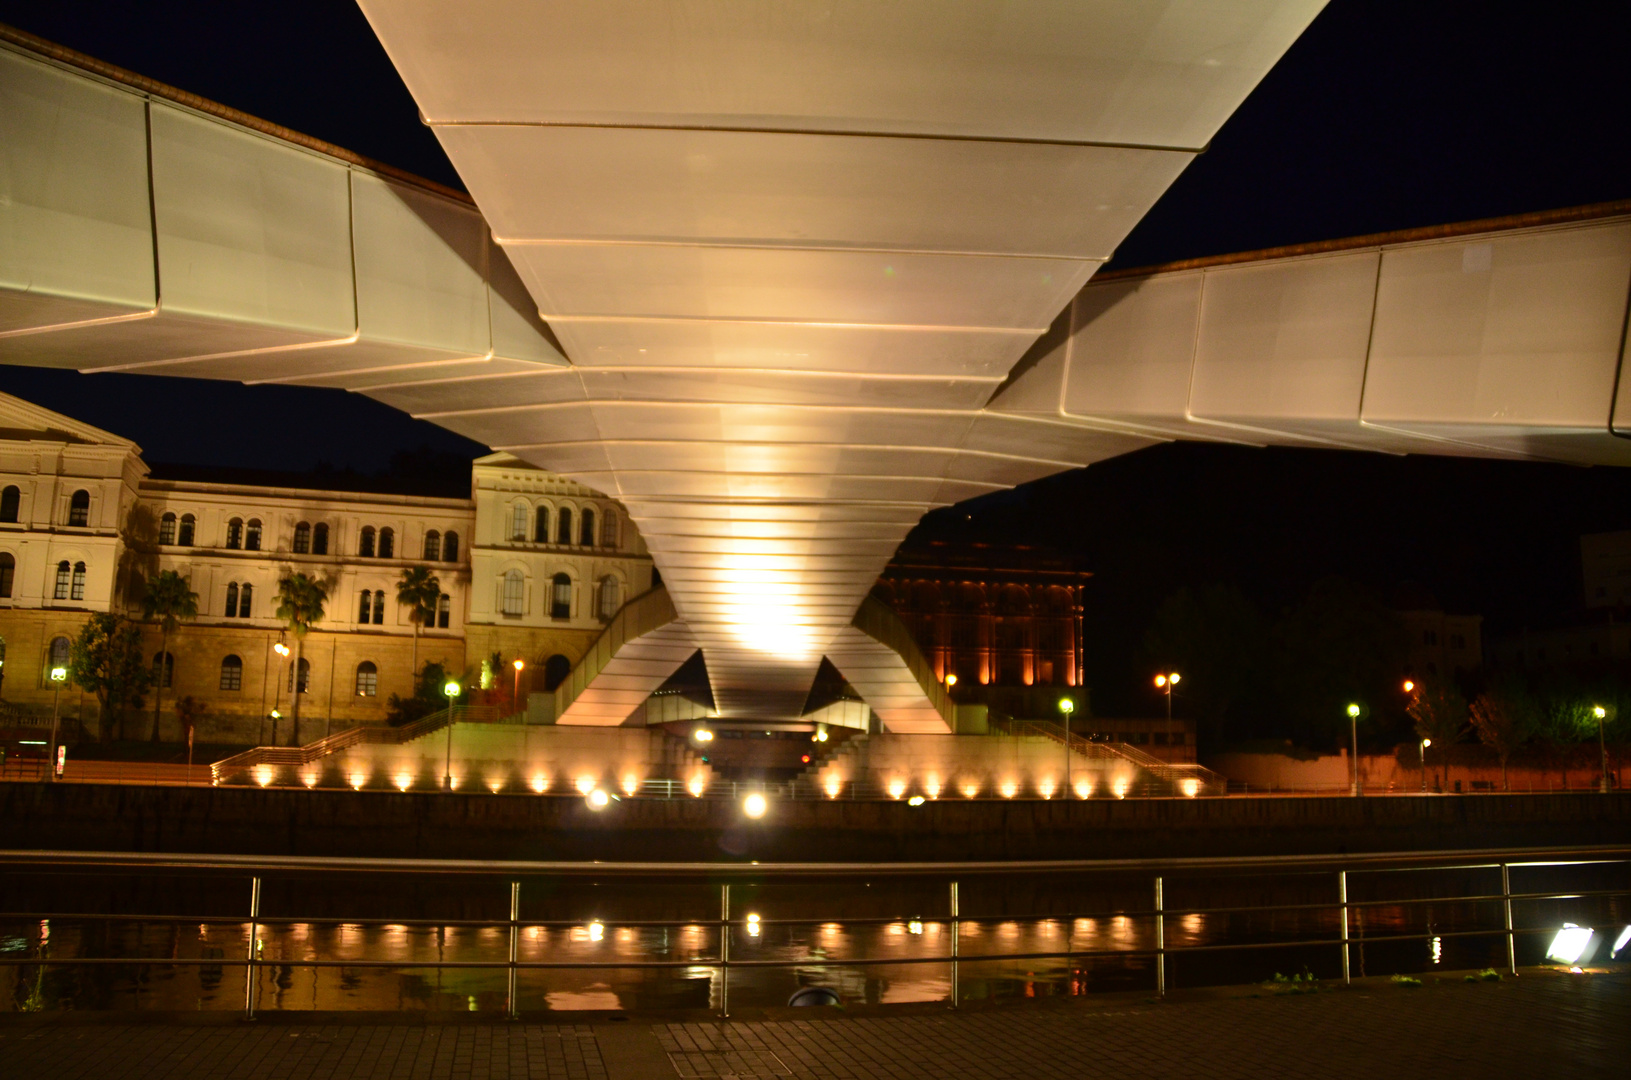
{"points": [[1158, 872], [278, 757], [1180, 776]]}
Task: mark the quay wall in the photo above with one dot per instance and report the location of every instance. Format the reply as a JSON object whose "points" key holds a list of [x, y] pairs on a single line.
{"points": [[478, 825]]}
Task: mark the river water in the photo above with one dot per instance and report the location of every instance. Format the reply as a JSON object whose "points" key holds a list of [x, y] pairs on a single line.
{"points": [[815, 930]]}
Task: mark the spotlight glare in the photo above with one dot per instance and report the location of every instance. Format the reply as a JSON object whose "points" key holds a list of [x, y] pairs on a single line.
{"points": [[1569, 944], [915, 800], [754, 805], [597, 799]]}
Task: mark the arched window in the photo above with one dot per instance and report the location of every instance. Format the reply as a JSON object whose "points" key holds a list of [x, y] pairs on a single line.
{"points": [[79, 508], [540, 525], [587, 532], [379, 607], [305, 677], [563, 526], [232, 600], [184, 538], [63, 571], [78, 591], [319, 538], [252, 535], [167, 529], [365, 605], [450, 547], [166, 662], [433, 546], [302, 538], [235, 534], [444, 611], [8, 571], [556, 669], [245, 595], [365, 542], [10, 503], [560, 596], [387, 544], [514, 601], [608, 529], [518, 522], [60, 650], [232, 673], [610, 597], [367, 679]]}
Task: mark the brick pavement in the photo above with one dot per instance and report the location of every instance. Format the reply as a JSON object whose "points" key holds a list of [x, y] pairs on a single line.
{"points": [[1538, 1025]]}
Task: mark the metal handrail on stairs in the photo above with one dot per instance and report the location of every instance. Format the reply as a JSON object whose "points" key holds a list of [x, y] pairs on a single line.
{"points": [[1205, 781], [297, 756]]}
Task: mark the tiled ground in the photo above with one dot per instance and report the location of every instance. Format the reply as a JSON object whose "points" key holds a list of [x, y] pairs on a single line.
{"points": [[1532, 1026]]}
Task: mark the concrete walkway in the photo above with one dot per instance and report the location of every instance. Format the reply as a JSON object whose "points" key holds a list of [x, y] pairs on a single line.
{"points": [[1536, 1025]]}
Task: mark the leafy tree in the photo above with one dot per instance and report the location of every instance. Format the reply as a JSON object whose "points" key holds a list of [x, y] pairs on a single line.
{"points": [[107, 660], [1502, 720], [1339, 644], [169, 599], [428, 697], [418, 590], [1216, 639], [1440, 713], [300, 602]]}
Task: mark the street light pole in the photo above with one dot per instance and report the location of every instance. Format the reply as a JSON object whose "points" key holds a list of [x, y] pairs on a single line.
{"points": [[451, 689], [1166, 681], [1425, 743], [1066, 707], [1353, 719], [58, 676], [1601, 714], [516, 698]]}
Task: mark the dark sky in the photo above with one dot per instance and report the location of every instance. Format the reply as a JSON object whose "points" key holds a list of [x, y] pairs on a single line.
{"points": [[1386, 114]]}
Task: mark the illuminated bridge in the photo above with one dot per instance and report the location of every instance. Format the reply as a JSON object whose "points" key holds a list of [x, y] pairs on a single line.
{"points": [[784, 277]]}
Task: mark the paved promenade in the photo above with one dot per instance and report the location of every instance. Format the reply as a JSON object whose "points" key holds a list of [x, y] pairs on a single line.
{"points": [[1536, 1025]]}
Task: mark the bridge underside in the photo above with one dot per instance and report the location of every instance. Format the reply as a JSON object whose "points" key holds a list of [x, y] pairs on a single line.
{"points": [[782, 282]]}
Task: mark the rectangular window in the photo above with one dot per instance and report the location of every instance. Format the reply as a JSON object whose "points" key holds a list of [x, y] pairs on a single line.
{"points": [[232, 676], [79, 582], [379, 607], [167, 529], [62, 582], [444, 611]]}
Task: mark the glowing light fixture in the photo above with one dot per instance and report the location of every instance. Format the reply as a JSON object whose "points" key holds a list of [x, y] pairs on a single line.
{"points": [[753, 926], [585, 784], [1620, 942], [702, 735], [1570, 944], [263, 775], [931, 786], [1045, 788], [897, 788], [697, 786], [1009, 789], [916, 800], [1409, 685], [834, 786], [540, 782], [754, 805], [970, 789], [358, 779], [597, 799], [1353, 710], [451, 690], [597, 931], [951, 681], [59, 674], [1118, 788], [914, 927], [1084, 789], [403, 781], [1191, 787], [631, 784]]}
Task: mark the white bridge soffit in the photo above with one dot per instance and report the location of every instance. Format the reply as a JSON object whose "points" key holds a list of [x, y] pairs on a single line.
{"points": [[639, 649], [797, 259]]}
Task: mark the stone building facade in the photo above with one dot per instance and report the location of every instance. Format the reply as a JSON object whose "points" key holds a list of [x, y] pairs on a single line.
{"points": [[83, 522]]}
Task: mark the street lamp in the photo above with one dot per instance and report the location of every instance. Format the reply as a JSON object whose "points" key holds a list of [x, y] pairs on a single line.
{"points": [[1601, 713], [277, 687], [1066, 707], [516, 702], [1354, 710], [951, 681], [59, 675], [1166, 681], [451, 689], [1425, 743]]}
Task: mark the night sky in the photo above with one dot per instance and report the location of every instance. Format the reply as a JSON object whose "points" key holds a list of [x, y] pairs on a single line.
{"points": [[1387, 114]]}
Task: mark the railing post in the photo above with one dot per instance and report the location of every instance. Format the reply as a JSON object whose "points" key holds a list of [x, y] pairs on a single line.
{"points": [[1342, 893], [1506, 902], [515, 944], [250, 966], [955, 923], [724, 951], [1160, 942]]}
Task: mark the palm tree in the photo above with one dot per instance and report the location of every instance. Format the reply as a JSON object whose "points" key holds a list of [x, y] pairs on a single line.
{"points": [[299, 604], [419, 590], [168, 599]]}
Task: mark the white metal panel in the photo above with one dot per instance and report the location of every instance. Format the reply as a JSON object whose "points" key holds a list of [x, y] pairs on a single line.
{"points": [[1131, 349]]}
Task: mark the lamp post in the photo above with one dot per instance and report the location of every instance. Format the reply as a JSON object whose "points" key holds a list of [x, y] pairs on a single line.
{"points": [[277, 688], [1425, 743], [516, 698], [1601, 713], [59, 675], [1354, 709], [1165, 682], [1066, 707], [451, 689]]}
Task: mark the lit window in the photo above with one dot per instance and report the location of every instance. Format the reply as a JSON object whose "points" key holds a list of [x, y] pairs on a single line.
{"points": [[433, 546], [232, 673], [63, 572], [252, 536], [10, 503], [184, 538], [387, 544], [560, 598], [167, 529], [78, 592], [367, 679], [79, 508], [235, 534], [563, 526], [302, 538], [319, 539], [450, 547], [587, 532], [365, 542], [514, 594]]}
